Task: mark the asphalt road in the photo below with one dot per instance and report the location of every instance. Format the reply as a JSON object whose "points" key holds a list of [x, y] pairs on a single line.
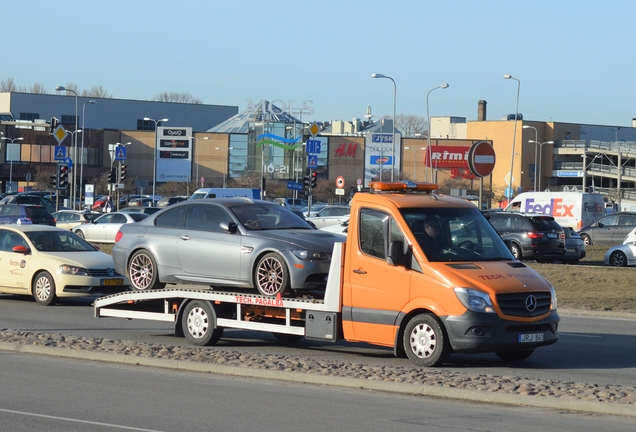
{"points": [[591, 350], [45, 393]]}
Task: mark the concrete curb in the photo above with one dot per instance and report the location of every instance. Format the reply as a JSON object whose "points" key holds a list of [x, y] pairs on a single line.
{"points": [[410, 389]]}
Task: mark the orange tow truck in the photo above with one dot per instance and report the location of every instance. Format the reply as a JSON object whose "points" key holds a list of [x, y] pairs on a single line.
{"points": [[420, 272]]}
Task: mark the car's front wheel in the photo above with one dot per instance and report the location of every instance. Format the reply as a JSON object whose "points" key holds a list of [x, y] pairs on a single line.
{"points": [[271, 275], [143, 272], [44, 289], [618, 259], [425, 341], [516, 251], [80, 234], [586, 239]]}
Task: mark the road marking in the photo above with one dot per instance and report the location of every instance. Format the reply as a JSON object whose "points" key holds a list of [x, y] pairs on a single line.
{"points": [[77, 420], [580, 335]]}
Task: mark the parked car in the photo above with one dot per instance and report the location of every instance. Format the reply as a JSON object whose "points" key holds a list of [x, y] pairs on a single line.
{"points": [[143, 201], [141, 209], [32, 200], [608, 230], [330, 215], [219, 242], [340, 228], [99, 203], [166, 201], [621, 255], [48, 263], [292, 203], [574, 247], [68, 219], [315, 208], [104, 228], [530, 235], [26, 214]]}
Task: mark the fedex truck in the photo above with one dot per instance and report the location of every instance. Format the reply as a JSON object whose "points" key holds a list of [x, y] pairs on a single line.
{"points": [[569, 209]]}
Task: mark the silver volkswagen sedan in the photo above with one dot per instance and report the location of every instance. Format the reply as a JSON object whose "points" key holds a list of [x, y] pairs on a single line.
{"points": [[225, 242]]}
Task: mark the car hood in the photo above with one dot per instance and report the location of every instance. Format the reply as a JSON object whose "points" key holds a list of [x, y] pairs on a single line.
{"points": [[90, 260], [308, 239]]}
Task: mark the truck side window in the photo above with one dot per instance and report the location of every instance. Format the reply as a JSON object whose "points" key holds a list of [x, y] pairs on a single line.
{"points": [[372, 238]]}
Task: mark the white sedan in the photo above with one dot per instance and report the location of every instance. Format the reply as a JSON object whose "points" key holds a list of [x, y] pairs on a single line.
{"points": [[68, 219], [330, 215], [104, 228], [48, 263]]}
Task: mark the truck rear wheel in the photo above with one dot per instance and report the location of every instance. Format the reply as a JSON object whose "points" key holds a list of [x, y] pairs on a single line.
{"points": [[425, 341], [198, 323]]}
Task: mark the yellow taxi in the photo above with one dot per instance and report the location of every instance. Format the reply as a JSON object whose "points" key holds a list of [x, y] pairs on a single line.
{"points": [[49, 263]]}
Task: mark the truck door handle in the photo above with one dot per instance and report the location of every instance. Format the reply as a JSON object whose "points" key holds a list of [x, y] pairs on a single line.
{"points": [[185, 237], [360, 271]]}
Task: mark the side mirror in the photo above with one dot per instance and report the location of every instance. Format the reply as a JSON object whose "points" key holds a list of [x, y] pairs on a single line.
{"points": [[21, 249], [396, 253], [230, 227]]}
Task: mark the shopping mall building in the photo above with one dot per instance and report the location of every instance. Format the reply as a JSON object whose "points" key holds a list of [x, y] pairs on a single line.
{"points": [[213, 143]]}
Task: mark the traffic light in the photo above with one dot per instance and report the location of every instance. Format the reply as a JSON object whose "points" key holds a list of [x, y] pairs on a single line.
{"points": [[306, 183], [122, 173], [52, 125], [314, 179], [62, 176], [53, 181], [112, 175]]}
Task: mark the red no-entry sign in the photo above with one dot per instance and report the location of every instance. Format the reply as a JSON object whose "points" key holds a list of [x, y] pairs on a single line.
{"points": [[481, 159]]}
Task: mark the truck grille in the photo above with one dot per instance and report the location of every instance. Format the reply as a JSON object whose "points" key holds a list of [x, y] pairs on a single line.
{"points": [[524, 304]]}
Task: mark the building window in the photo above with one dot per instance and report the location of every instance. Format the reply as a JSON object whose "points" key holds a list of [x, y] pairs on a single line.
{"points": [[69, 119], [147, 125], [29, 116]]}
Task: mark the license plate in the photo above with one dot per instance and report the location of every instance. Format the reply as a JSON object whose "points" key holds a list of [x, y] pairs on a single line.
{"points": [[530, 337], [572, 250], [112, 282], [553, 235]]}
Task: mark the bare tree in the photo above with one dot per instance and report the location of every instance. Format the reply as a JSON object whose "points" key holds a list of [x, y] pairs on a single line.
{"points": [[411, 125], [184, 97], [70, 88], [37, 88], [96, 92], [8, 85]]}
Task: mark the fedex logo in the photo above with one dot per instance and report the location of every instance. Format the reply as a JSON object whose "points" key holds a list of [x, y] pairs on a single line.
{"points": [[556, 208], [594, 207]]}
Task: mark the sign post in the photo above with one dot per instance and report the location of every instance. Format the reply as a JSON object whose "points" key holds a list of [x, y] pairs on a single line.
{"points": [[481, 162]]}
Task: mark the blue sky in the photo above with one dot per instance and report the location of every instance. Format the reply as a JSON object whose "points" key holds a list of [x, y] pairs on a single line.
{"points": [[574, 58]]}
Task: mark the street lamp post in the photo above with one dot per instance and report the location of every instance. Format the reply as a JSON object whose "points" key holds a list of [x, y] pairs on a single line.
{"points": [[428, 116], [11, 163], [154, 159], [514, 133], [196, 154], [62, 88], [226, 160], [536, 140], [73, 139], [377, 75], [540, 160], [81, 188]]}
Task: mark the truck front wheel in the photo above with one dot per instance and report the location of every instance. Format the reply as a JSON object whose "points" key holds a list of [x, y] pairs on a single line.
{"points": [[425, 341], [198, 323]]}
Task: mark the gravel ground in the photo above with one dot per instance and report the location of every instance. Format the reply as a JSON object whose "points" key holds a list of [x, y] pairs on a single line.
{"points": [[403, 375]]}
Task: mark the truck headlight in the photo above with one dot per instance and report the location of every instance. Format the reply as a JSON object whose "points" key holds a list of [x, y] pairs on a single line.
{"points": [[73, 270], [311, 255], [553, 301], [475, 301]]}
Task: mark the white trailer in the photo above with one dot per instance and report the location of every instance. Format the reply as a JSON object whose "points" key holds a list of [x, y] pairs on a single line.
{"points": [[200, 314]]}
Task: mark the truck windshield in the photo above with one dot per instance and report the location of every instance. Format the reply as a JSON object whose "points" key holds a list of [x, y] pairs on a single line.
{"points": [[455, 234]]}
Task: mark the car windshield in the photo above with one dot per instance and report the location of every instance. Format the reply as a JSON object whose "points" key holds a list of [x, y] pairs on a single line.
{"points": [[58, 241], [455, 234], [268, 217]]}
